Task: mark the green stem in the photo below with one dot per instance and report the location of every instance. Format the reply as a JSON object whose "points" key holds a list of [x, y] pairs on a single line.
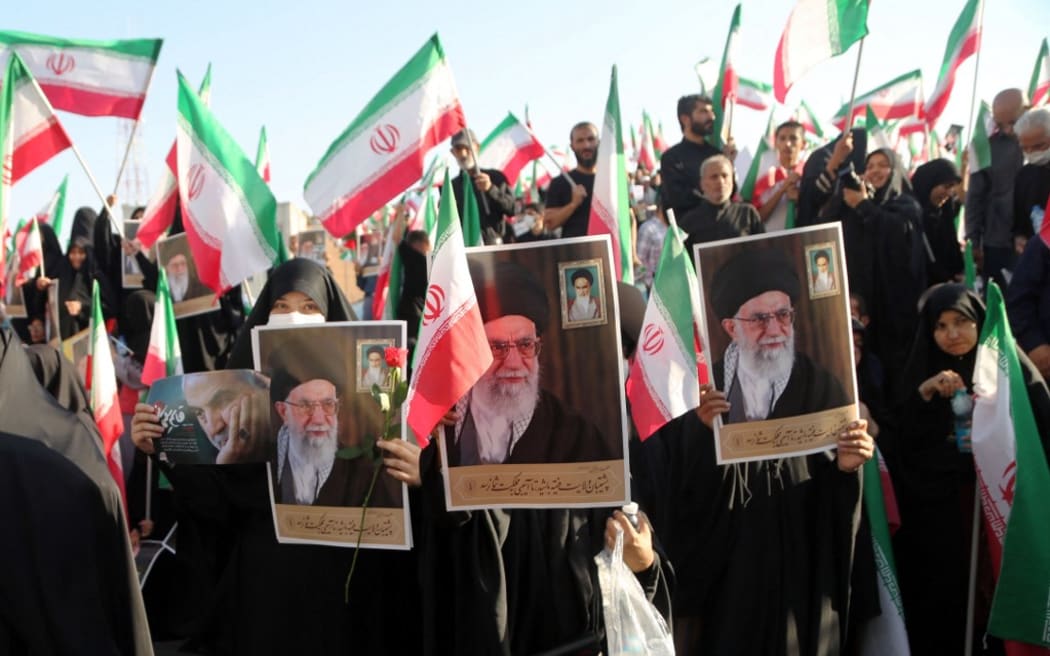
{"points": [[361, 529]]}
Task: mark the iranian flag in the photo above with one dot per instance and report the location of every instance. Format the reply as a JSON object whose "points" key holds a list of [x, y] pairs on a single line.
{"points": [[452, 352], [763, 166], [755, 95], [726, 90], [509, 147], [963, 42], [262, 156], [980, 156], [808, 118], [160, 210], [30, 249], [53, 214], [105, 406], [164, 357], [381, 152], [384, 281], [647, 152], [1039, 86], [610, 208], [29, 128], [1014, 483], [663, 382], [898, 98], [877, 135], [816, 31], [659, 144], [229, 213], [91, 78]]}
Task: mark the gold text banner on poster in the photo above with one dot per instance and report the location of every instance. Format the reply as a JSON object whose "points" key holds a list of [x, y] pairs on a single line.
{"points": [[336, 524], [776, 438], [554, 484]]}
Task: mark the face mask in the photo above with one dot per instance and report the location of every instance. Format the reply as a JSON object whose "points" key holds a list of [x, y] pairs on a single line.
{"points": [[1039, 157], [294, 319]]}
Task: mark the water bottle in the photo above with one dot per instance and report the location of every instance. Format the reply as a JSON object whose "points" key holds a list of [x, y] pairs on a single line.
{"points": [[631, 510], [962, 410]]}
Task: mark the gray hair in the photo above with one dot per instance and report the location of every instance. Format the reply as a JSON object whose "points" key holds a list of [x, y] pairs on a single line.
{"points": [[715, 159], [1034, 118]]}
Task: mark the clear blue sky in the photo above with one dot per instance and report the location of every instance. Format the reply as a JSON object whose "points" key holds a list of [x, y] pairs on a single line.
{"points": [[305, 68]]}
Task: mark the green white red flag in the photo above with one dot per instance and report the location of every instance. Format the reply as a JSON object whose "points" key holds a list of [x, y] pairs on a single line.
{"points": [[728, 79], [164, 357], [1039, 86], [901, 97], [755, 95], [229, 213], [808, 118], [610, 208], [262, 156], [30, 249], [764, 160], [105, 405], [663, 382], [963, 42], [1014, 483], [53, 214], [91, 78], [381, 152], [646, 151], [877, 135], [452, 352], [385, 296], [816, 31], [509, 147]]}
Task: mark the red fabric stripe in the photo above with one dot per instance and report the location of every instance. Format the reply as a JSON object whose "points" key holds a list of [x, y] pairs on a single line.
{"points": [[781, 86], [360, 206], [92, 103], [936, 107], [207, 259], [38, 149], [522, 156], [645, 413], [154, 225]]}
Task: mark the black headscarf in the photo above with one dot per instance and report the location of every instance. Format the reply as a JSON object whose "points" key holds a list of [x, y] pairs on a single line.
{"points": [[59, 377], [295, 275], [83, 224], [897, 184], [136, 322], [930, 175], [944, 258]]}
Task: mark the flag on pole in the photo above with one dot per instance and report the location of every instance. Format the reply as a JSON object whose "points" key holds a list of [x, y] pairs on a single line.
{"points": [[980, 156], [726, 90], [765, 158], [381, 152], [901, 97], [1039, 86], [384, 283], [224, 201], [755, 95], [164, 357], [30, 250], [659, 144], [663, 382], [452, 352], [816, 31], [91, 78], [808, 119], [647, 152], [53, 214], [1014, 483], [964, 40], [160, 210], [610, 209], [877, 137], [262, 156], [105, 406], [509, 147]]}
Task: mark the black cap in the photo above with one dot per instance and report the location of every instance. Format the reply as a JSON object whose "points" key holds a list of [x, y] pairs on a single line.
{"points": [[300, 358], [750, 273], [509, 288], [460, 138]]}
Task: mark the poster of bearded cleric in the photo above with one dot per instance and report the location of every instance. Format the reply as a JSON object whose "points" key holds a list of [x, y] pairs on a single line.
{"points": [[189, 296], [323, 461], [546, 424], [778, 336]]}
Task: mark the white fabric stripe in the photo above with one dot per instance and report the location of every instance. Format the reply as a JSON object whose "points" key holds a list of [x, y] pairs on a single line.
{"points": [[807, 41], [30, 113], [677, 385], [993, 438], [502, 150], [93, 69]]}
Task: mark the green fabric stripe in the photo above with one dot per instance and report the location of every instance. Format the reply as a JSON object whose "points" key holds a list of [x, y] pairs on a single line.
{"points": [[716, 96], [404, 81], [448, 214], [623, 206], [847, 23], [261, 150], [58, 215], [230, 161], [674, 292], [142, 48], [1044, 54], [505, 125], [864, 98], [747, 190], [171, 331], [981, 158], [962, 26], [761, 86], [471, 215]]}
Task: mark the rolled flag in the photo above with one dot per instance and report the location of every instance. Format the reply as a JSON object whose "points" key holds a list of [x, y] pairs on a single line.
{"points": [[509, 147], [610, 208], [1039, 86], [105, 406], [262, 156], [381, 152], [755, 95], [816, 31], [808, 118], [1014, 483], [980, 156], [452, 352], [53, 214], [91, 78], [901, 97], [164, 357], [663, 382], [229, 213], [728, 79], [30, 250], [470, 218], [963, 42]]}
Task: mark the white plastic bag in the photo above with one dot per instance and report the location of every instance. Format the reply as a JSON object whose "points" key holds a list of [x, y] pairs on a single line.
{"points": [[632, 624]]}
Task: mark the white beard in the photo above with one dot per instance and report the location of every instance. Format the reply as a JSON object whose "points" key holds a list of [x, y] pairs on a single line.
{"points": [[496, 405], [758, 368], [310, 456], [373, 376], [583, 309], [178, 285]]}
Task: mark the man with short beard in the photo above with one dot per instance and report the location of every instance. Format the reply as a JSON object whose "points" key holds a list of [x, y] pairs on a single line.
{"points": [[569, 195], [680, 165], [717, 216], [182, 284], [506, 417]]}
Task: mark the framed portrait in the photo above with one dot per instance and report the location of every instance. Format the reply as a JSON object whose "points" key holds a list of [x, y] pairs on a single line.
{"points": [[322, 462], [546, 425], [582, 291], [783, 357], [311, 245], [14, 300], [132, 274], [189, 296], [371, 364], [76, 349], [369, 252], [823, 270]]}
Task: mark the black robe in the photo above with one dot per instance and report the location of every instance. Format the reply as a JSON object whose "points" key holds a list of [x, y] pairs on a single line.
{"points": [[944, 260], [708, 222]]}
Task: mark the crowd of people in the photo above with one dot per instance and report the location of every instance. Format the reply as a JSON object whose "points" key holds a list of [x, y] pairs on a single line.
{"points": [[770, 557]]}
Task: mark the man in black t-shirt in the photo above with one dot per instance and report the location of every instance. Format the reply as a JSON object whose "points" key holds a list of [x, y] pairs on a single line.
{"points": [[569, 204], [680, 165], [494, 197]]}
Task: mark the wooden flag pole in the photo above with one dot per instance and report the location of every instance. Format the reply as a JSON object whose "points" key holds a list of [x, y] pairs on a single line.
{"points": [[853, 92], [134, 132], [98, 190]]}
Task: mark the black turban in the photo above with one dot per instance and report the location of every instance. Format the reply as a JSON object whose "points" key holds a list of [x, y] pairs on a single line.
{"points": [[583, 273], [509, 288], [748, 274], [301, 358]]}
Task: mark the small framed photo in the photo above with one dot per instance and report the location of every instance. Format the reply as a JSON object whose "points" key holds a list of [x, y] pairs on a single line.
{"points": [[311, 245], [583, 294], [189, 296], [371, 364], [822, 269]]}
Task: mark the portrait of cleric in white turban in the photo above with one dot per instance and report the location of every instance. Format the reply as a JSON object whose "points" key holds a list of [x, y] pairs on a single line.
{"points": [[781, 356], [549, 401]]}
